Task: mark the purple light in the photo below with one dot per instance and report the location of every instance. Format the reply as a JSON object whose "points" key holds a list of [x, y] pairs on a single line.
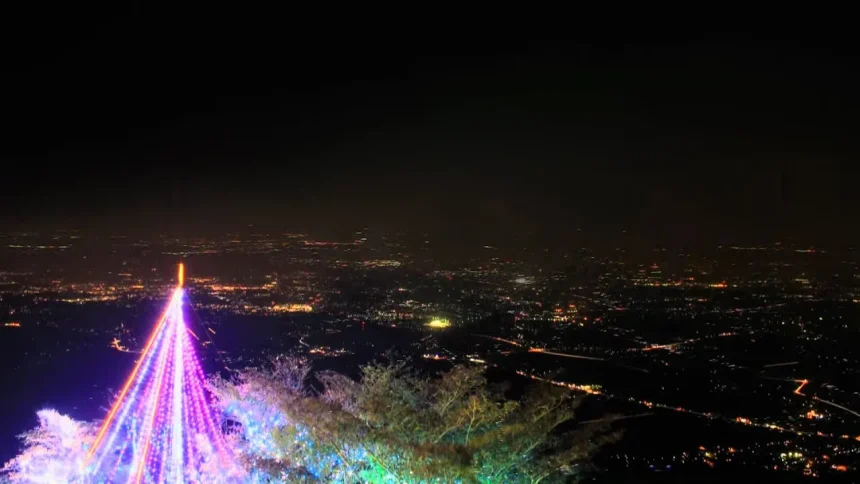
{"points": [[161, 429]]}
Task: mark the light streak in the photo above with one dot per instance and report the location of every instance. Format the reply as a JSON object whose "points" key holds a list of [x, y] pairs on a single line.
{"points": [[837, 406], [566, 355], [790, 363], [176, 294], [672, 346], [176, 411], [500, 340], [803, 383], [181, 276], [161, 428], [710, 416], [615, 419], [553, 353], [152, 408]]}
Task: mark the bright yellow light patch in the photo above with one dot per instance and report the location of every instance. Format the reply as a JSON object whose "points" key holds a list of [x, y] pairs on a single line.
{"points": [[439, 323]]}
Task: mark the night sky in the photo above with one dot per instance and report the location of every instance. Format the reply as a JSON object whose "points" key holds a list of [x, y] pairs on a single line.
{"points": [[208, 121]]}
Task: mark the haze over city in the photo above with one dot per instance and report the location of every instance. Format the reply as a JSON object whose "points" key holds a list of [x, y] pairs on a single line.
{"points": [[651, 229]]}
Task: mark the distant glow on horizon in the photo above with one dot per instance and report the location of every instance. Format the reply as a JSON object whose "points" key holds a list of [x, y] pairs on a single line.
{"points": [[439, 323]]}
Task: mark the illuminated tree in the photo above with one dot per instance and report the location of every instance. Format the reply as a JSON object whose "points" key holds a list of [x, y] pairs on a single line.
{"points": [[52, 452], [159, 429], [395, 426]]}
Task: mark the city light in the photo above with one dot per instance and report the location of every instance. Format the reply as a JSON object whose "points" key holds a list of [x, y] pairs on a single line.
{"points": [[439, 323], [327, 315], [292, 308], [117, 345]]}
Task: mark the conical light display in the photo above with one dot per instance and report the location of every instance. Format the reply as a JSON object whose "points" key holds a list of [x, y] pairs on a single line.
{"points": [[161, 428]]}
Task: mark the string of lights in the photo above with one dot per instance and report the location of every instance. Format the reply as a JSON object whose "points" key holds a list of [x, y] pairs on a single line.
{"points": [[161, 428]]}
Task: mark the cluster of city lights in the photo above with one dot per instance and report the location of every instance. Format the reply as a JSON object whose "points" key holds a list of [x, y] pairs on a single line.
{"points": [[439, 323]]}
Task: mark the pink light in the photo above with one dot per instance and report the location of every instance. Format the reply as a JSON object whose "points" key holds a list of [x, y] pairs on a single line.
{"points": [[131, 378], [161, 427]]}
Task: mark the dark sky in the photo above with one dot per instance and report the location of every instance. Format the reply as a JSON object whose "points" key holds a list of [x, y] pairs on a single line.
{"points": [[204, 121]]}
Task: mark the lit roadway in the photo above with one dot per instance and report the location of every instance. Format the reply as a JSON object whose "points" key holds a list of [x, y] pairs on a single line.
{"points": [[790, 363], [803, 383], [566, 355], [709, 415], [671, 346], [540, 350], [500, 340], [648, 404], [852, 412]]}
